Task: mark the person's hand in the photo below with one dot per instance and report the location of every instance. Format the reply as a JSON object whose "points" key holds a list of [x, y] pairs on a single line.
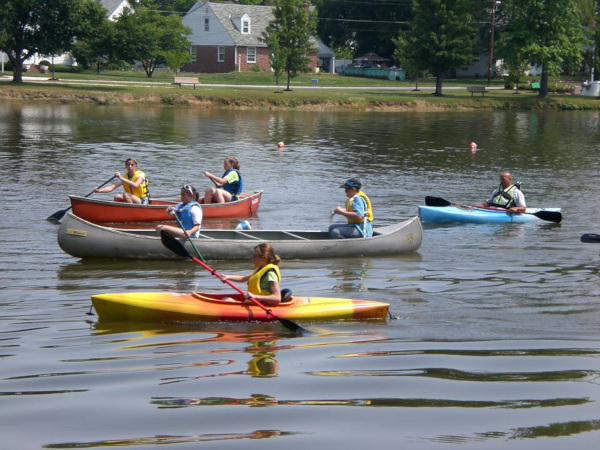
{"points": [[171, 210], [207, 174], [118, 175], [223, 278], [96, 189], [338, 210]]}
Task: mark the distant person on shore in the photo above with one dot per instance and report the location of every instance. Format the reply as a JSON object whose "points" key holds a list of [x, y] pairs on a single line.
{"points": [[134, 182], [228, 187], [263, 283], [358, 212], [189, 213], [507, 195]]}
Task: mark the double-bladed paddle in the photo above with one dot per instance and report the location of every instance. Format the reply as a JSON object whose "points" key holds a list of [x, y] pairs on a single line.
{"points": [[177, 247], [60, 214], [590, 237], [550, 216]]}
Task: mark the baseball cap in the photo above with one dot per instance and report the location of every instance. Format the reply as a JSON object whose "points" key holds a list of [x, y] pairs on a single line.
{"points": [[353, 183]]}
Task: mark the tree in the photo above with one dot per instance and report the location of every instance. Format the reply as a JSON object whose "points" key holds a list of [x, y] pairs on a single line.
{"points": [[278, 57], [150, 37], [97, 48], [45, 27], [549, 32], [361, 26], [440, 37], [292, 27]]}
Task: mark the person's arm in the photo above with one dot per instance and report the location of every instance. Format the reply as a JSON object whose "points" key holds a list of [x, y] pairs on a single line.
{"points": [[219, 181], [110, 188], [236, 278], [134, 184], [274, 298], [357, 205], [519, 199]]}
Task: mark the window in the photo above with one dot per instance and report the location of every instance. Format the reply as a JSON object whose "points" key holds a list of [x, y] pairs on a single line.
{"points": [[193, 53], [251, 55], [245, 26], [221, 54], [206, 24]]}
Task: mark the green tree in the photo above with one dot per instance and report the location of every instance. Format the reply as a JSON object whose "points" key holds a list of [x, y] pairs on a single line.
{"points": [[362, 26], [97, 48], [150, 37], [440, 37], [45, 27], [292, 26], [549, 32]]}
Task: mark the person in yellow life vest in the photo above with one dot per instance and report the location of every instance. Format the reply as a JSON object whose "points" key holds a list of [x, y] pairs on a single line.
{"points": [[263, 283], [135, 183], [358, 212], [507, 195]]}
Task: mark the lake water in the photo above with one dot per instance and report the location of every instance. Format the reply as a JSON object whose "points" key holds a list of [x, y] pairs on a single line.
{"points": [[495, 337]]}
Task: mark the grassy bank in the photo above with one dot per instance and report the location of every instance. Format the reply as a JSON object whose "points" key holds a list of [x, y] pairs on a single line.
{"points": [[257, 90]]}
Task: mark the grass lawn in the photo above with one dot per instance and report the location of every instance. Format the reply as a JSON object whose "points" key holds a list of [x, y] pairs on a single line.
{"points": [[137, 88]]}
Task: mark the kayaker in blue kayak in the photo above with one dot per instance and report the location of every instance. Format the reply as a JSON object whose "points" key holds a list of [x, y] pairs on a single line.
{"points": [[358, 212], [189, 213], [263, 283], [507, 195]]}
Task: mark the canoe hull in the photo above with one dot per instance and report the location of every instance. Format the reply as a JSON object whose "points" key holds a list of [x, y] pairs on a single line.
{"points": [[84, 239], [107, 211], [449, 214], [176, 307]]}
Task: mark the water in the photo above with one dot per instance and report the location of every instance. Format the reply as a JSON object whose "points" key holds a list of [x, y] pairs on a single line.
{"points": [[494, 340]]}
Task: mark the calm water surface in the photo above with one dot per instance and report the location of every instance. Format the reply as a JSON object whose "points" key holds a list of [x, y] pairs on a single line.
{"points": [[495, 337]]}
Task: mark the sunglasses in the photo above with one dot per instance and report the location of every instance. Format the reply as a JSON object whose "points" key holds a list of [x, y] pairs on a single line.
{"points": [[188, 188]]}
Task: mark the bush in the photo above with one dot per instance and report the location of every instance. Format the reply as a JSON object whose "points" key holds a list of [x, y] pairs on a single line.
{"points": [[255, 68]]}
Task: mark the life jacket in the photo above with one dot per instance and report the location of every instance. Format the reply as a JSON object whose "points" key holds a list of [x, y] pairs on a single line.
{"points": [[184, 213], [368, 212], [254, 280], [141, 191], [504, 198], [235, 188]]}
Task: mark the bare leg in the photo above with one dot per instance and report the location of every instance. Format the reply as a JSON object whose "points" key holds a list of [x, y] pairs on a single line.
{"points": [[173, 231]]}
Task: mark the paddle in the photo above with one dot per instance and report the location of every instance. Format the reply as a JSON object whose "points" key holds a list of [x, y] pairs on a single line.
{"points": [[59, 214], [176, 247], [590, 237], [550, 216]]}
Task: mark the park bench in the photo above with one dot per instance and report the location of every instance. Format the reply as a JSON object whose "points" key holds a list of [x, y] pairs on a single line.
{"points": [[480, 89], [186, 80]]}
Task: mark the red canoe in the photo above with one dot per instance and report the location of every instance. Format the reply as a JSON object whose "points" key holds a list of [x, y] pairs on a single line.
{"points": [[107, 211]]}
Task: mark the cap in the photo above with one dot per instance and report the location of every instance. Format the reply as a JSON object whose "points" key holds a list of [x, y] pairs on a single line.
{"points": [[353, 183]]}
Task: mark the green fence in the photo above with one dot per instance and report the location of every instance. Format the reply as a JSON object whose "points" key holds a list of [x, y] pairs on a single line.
{"points": [[372, 72]]}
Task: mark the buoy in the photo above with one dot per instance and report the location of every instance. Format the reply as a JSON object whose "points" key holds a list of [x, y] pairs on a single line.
{"points": [[473, 147], [280, 144], [243, 225]]}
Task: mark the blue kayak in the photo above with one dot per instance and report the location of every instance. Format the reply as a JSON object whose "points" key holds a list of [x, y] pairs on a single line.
{"points": [[447, 214]]}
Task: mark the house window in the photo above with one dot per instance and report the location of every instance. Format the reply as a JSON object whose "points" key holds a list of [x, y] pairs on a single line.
{"points": [[245, 26], [206, 24], [251, 55], [221, 54], [193, 53]]}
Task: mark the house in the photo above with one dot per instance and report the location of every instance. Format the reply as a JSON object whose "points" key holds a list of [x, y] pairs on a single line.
{"points": [[115, 8], [227, 37]]}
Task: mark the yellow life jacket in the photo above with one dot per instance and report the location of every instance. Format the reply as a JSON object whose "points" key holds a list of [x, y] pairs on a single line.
{"points": [[369, 208], [141, 191], [254, 280]]}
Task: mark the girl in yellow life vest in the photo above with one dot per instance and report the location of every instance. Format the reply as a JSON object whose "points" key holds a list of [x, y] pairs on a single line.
{"points": [[135, 183], [263, 283], [358, 212]]}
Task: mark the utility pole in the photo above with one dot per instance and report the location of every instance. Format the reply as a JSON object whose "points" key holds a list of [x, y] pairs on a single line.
{"points": [[489, 74]]}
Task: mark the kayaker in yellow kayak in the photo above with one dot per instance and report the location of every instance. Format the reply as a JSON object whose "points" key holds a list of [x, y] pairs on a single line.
{"points": [[189, 213], [135, 183], [263, 283], [507, 195], [358, 212]]}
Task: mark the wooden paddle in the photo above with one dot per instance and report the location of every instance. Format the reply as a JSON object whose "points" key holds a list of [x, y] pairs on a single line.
{"points": [[60, 214], [550, 216], [176, 247], [590, 237]]}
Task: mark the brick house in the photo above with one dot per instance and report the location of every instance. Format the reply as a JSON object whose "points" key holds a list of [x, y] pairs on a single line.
{"points": [[226, 37]]}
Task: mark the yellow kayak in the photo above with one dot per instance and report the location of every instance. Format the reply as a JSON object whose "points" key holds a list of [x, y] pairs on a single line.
{"points": [[169, 307]]}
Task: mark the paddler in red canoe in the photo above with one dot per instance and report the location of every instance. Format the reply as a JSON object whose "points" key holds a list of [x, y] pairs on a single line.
{"points": [[135, 183]]}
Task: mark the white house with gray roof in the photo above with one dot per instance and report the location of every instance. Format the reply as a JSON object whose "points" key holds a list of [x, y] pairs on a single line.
{"points": [[226, 37]]}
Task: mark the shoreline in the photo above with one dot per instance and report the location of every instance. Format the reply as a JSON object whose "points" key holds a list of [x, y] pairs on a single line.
{"points": [[264, 98]]}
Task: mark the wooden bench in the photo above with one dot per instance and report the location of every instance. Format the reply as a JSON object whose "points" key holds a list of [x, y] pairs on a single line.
{"points": [[480, 89], [186, 80]]}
